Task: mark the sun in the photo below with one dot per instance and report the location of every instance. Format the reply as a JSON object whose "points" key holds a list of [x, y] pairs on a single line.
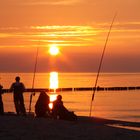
{"points": [[53, 50]]}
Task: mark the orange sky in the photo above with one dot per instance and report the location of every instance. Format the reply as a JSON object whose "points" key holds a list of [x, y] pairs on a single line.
{"points": [[78, 27]]}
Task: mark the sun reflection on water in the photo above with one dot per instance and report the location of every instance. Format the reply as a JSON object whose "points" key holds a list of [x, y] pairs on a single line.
{"points": [[53, 80], [52, 98], [53, 85]]}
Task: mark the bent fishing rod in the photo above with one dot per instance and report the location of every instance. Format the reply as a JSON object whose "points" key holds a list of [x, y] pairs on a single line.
{"points": [[34, 74], [100, 64]]}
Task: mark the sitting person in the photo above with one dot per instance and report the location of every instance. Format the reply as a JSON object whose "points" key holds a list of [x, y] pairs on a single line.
{"points": [[59, 111], [42, 105]]}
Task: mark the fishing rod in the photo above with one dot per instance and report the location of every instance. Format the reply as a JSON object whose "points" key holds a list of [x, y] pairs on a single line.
{"points": [[100, 64], [35, 67]]}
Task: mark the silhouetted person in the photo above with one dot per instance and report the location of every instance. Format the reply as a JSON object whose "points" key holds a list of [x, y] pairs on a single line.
{"points": [[1, 102], [18, 89], [59, 111], [42, 105], [57, 107]]}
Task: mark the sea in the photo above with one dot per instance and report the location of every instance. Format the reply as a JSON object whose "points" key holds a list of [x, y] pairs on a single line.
{"points": [[119, 105]]}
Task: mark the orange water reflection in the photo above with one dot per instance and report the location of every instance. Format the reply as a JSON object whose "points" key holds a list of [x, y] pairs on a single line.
{"points": [[53, 85], [53, 80], [52, 98]]}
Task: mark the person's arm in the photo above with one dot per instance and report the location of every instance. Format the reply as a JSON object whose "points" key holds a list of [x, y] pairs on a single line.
{"points": [[23, 87], [12, 87]]}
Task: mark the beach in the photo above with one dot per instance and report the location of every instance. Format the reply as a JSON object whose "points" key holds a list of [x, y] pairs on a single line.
{"points": [[83, 57], [14, 127], [115, 114]]}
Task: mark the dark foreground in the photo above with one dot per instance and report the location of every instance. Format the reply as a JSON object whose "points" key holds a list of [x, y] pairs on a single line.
{"points": [[14, 127]]}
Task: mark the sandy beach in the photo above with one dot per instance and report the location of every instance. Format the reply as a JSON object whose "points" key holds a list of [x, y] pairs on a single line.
{"points": [[30, 128]]}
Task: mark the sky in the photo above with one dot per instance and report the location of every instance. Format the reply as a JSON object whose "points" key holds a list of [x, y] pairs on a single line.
{"points": [[78, 27]]}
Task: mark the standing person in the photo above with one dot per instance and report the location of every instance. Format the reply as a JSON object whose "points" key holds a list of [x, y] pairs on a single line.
{"points": [[1, 102], [18, 89]]}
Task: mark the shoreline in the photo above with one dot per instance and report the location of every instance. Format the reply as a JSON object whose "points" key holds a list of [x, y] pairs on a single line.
{"points": [[20, 128]]}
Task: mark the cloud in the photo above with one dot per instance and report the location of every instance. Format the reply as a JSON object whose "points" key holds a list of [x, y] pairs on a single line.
{"points": [[83, 36], [53, 2], [62, 35], [40, 2]]}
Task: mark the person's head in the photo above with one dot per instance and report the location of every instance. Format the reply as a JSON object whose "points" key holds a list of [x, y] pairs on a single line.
{"points": [[17, 78], [59, 97]]}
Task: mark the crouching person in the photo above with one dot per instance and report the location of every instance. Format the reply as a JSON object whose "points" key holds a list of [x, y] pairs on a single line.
{"points": [[42, 105], [59, 111]]}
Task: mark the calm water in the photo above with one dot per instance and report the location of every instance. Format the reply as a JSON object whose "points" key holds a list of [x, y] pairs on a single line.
{"points": [[123, 105]]}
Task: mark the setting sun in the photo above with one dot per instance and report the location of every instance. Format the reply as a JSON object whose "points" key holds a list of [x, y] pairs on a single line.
{"points": [[54, 50]]}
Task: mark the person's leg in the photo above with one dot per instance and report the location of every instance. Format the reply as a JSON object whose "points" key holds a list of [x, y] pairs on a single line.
{"points": [[22, 106], [1, 105], [1, 108], [16, 105]]}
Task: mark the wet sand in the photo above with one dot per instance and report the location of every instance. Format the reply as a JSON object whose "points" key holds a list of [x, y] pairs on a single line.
{"points": [[14, 127]]}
